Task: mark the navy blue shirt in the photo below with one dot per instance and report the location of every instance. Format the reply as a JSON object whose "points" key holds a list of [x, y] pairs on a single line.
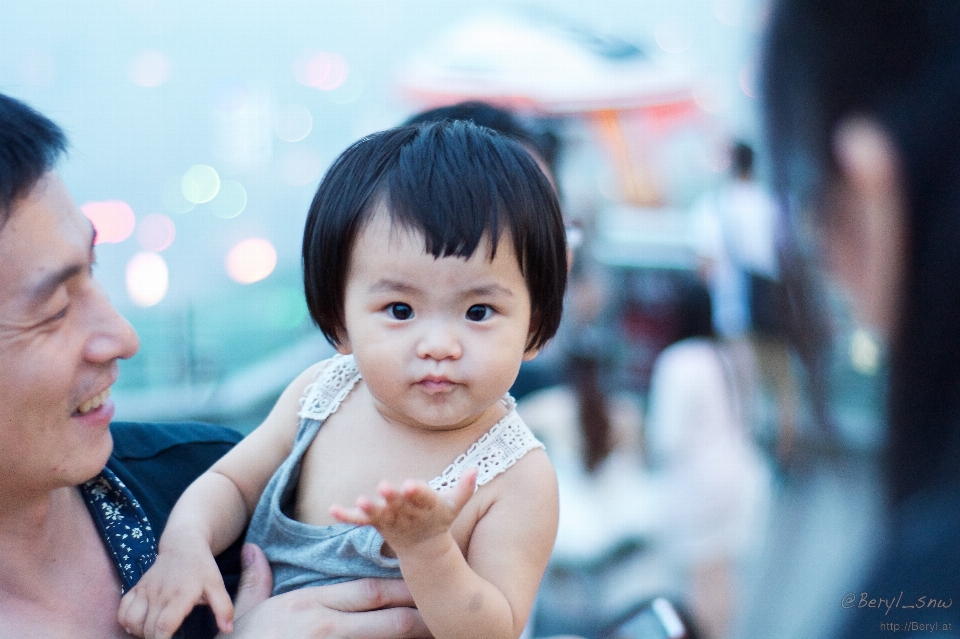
{"points": [[130, 501]]}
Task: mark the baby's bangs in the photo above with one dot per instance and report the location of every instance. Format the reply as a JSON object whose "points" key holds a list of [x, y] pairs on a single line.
{"points": [[454, 184]]}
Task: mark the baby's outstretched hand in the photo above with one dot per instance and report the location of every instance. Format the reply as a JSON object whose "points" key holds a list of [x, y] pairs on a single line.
{"points": [[156, 607], [412, 514]]}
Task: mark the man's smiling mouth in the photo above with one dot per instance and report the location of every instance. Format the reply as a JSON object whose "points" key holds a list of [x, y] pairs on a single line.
{"points": [[94, 402]]}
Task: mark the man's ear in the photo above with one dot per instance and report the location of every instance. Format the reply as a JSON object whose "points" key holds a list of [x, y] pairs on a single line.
{"points": [[867, 249], [530, 354]]}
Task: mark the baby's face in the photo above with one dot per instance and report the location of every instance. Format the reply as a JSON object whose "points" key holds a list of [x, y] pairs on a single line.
{"points": [[438, 341]]}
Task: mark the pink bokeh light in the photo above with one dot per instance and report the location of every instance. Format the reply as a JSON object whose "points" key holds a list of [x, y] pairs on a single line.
{"points": [[113, 219]]}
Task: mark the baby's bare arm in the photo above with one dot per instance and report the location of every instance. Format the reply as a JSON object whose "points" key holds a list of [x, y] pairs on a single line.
{"points": [[489, 593], [210, 515]]}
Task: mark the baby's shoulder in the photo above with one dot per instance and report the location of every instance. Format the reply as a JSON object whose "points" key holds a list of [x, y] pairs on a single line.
{"points": [[325, 384], [530, 479]]}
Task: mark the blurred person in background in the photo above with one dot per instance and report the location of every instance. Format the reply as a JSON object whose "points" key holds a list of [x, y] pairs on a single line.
{"points": [[735, 238], [83, 499], [712, 484], [861, 114], [734, 229]]}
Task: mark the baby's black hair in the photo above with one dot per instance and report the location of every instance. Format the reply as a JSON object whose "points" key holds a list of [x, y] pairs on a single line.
{"points": [[454, 183]]}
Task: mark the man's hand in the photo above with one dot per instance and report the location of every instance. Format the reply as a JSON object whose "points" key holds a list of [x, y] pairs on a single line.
{"points": [[361, 609], [413, 514]]}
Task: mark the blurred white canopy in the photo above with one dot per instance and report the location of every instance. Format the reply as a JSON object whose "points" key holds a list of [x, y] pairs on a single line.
{"points": [[540, 65]]}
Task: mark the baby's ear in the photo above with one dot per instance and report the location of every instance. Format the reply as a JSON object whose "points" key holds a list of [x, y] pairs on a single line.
{"points": [[343, 345]]}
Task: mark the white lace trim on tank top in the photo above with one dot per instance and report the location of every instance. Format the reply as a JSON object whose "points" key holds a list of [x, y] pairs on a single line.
{"points": [[497, 450]]}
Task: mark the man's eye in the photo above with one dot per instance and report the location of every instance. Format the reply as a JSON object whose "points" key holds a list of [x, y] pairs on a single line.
{"points": [[59, 316], [400, 311], [479, 312]]}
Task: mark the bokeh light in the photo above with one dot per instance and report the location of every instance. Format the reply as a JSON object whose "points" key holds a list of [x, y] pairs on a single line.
{"points": [[147, 279], [156, 232], [38, 69], [728, 12], [713, 95], [230, 201], [173, 200], [864, 352], [251, 260], [243, 125], [293, 122], [349, 91], [673, 35], [149, 68], [299, 167], [286, 308], [747, 80], [114, 220], [200, 183], [320, 70]]}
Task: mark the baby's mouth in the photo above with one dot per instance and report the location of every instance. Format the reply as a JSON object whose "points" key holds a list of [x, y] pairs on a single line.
{"points": [[94, 402]]}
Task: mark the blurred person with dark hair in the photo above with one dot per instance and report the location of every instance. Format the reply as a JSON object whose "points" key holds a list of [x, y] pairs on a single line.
{"points": [[542, 142], [734, 229], [735, 239], [712, 484], [861, 113], [83, 500]]}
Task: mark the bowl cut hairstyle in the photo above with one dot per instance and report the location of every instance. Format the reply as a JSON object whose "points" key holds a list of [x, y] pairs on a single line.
{"points": [[452, 182]]}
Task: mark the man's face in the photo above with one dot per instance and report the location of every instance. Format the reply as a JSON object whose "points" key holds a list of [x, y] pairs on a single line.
{"points": [[60, 340]]}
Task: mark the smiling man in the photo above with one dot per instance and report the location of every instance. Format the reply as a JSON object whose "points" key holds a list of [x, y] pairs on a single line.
{"points": [[82, 501]]}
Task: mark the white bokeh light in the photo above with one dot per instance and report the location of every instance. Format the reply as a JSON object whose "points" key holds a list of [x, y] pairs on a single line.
{"points": [[300, 167], [230, 201], [251, 260], [147, 279], [292, 122], [149, 68], [156, 232], [673, 35], [320, 70], [200, 183]]}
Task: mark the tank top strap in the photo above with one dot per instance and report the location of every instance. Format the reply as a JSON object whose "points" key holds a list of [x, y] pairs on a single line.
{"points": [[330, 387], [497, 450]]}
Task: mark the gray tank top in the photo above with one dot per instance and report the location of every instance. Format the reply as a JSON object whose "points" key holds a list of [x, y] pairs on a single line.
{"points": [[305, 555]]}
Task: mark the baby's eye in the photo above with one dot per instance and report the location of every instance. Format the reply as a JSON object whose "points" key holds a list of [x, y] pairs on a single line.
{"points": [[479, 312], [400, 311]]}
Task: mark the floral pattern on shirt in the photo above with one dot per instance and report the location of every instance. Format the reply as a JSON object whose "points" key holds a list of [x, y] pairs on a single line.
{"points": [[122, 524]]}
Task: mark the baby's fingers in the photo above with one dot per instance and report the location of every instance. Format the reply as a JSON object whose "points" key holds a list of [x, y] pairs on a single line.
{"points": [[133, 612], [351, 515], [219, 602], [418, 494], [458, 496], [163, 620]]}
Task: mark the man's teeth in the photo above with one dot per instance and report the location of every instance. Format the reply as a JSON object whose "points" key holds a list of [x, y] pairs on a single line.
{"points": [[93, 403]]}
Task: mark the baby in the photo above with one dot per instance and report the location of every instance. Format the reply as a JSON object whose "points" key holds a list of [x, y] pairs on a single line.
{"points": [[434, 261]]}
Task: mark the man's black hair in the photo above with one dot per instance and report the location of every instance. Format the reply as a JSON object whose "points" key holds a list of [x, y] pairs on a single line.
{"points": [[30, 145], [452, 182]]}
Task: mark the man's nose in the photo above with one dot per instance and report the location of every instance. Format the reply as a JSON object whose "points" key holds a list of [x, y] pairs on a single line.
{"points": [[111, 335], [440, 340]]}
